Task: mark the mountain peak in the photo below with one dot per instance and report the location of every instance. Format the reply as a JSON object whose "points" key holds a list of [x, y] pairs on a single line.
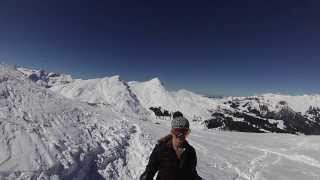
{"points": [[115, 77], [155, 81]]}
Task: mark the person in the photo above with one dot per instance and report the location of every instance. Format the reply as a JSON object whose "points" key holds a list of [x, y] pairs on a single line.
{"points": [[173, 157]]}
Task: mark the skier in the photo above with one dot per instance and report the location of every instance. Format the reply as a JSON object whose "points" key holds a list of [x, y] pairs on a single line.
{"points": [[173, 157]]}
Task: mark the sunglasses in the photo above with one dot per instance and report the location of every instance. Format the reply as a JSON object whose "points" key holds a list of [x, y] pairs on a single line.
{"points": [[180, 132]]}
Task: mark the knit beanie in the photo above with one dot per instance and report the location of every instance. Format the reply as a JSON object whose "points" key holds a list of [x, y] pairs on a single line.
{"points": [[180, 122]]}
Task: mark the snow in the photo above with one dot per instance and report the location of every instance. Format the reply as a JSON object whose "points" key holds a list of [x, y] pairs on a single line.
{"points": [[44, 135], [108, 91], [152, 94], [98, 129], [43, 78], [226, 155], [280, 123], [299, 103]]}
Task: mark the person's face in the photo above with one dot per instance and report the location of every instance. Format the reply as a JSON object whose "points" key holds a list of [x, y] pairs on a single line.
{"points": [[180, 134]]}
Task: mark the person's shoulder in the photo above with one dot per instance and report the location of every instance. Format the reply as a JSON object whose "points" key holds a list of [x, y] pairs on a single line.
{"points": [[190, 148]]}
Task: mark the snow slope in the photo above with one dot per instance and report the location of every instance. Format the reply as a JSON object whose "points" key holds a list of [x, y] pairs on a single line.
{"points": [[46, 136], [224, 155]]}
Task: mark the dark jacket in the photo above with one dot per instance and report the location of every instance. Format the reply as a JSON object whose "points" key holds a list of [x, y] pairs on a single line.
{"points": [[164, 160]]}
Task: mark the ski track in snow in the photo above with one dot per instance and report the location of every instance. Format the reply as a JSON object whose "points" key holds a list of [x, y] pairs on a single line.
{"points": [[295, 157]]}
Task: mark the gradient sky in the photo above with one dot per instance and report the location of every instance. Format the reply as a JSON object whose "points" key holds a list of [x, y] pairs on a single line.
{"points": [[211, 47]]}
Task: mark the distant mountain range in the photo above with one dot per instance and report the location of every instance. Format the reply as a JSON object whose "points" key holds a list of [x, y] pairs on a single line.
{"points": [[263, 113]]}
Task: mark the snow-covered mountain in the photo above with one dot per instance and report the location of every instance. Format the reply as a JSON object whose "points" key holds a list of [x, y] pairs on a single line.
{"points": [[51, 133], [298, 103], [268, 113], [152, 94], [111, 92], [44, 135], [44, 78], [264, 113], [134, 96], [108, 91]]}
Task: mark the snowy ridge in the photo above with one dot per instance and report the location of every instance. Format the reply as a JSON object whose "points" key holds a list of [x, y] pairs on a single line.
{"points": [[44, 78], [108, 91], [152, 94], [133, 97], [299, 103], [46, 136], [264, 113], [268, 113]]}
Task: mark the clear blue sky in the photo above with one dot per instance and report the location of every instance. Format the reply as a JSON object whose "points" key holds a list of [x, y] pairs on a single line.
{"points": [[210, 47]]}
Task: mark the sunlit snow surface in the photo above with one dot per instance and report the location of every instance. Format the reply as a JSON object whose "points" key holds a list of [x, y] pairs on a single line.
{"points": [[44, 135], [247, 156]]}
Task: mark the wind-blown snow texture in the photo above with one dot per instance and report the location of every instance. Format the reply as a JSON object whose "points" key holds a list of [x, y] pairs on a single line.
{"points": [[56, 127], [44, 135]]}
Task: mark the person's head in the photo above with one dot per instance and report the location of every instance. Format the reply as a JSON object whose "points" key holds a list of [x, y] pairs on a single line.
{"points": [[180, 129]]}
